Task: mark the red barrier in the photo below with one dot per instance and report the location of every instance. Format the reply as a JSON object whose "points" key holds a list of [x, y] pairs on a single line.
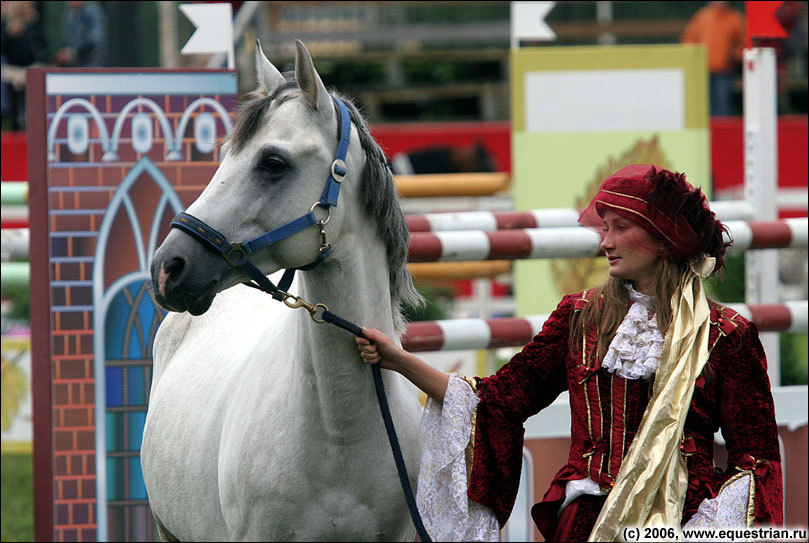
{"points": [[727, 156], [14, 164], [514, 332]]}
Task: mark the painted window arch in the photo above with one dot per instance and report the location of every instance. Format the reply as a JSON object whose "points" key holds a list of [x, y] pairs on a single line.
{"points": [[125, 322]]}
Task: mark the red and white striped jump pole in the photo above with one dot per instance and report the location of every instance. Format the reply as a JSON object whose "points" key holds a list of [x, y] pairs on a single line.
{"points": [[488, 221], [576, 242], [456, 334]]}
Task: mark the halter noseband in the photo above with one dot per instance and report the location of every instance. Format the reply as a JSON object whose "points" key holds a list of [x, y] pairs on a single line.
{"points": [[236, 254]]}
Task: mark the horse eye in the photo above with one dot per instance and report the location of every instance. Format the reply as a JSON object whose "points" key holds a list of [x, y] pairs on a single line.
{"points": [[273, 165]]}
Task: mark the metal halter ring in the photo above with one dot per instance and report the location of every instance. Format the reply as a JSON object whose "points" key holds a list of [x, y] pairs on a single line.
{"points": [[321, 222]]}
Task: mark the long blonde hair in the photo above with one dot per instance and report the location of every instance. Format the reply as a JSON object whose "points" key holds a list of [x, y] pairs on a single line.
{"points": [[608, 304]]}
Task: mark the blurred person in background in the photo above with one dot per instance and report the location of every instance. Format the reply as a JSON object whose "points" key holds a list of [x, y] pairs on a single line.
{"points": [[444, 159], [792, 18], [23, 45], [721, 29], [84, 36]]}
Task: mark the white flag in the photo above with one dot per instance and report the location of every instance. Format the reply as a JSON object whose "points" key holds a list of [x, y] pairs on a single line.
{"points": [[214, 33], [528, 21]]}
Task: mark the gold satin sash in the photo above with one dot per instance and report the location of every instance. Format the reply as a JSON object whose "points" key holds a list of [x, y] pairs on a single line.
{"points": [[651, 484]]}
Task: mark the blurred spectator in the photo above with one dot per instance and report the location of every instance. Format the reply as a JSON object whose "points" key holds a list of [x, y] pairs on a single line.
{"points": [[23, 45], [84, 36], [792, 17], [721, 29]]}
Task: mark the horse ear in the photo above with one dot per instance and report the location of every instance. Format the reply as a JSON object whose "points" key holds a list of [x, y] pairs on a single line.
{"points": [[267, 75], [309, 81]]}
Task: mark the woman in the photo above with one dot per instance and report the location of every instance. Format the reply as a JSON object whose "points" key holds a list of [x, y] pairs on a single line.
{"points": [[653, 369]]}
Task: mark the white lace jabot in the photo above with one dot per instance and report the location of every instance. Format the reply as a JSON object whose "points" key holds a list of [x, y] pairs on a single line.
{"points": [[635, 351]]}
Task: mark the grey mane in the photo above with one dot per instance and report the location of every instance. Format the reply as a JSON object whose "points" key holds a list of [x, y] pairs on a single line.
{"points": [[380, 199]]}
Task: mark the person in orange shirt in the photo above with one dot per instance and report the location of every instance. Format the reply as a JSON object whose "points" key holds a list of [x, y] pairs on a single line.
{"points": [[721, 29]]}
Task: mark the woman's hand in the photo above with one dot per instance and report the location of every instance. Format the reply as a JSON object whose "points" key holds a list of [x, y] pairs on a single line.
{"points": [[380, 349]]}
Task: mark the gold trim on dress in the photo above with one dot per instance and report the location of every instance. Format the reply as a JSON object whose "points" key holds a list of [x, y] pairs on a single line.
{"points": [[601, 427], [472, 382], [751, 501], [623, 437], [612, 421], [750, 513], [469, 452], [751, 498], [731, 319], [586, 394]]}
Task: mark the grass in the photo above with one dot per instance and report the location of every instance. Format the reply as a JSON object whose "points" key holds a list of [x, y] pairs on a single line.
{"points": [[17, 498]]}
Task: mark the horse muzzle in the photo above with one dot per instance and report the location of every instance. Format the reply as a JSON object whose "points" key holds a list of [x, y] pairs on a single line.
{"points": [[185, 276]]}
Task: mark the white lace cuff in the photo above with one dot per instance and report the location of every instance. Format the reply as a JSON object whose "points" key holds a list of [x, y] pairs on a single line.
{"points": [[579, 487], [447, 512], [727, 510]]}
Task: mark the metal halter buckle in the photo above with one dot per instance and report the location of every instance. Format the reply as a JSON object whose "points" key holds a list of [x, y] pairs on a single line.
{"points": [[337, 175], [236, 255]]}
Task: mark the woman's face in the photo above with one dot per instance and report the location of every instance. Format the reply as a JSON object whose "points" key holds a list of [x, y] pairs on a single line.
{"points": [[631, 251]]}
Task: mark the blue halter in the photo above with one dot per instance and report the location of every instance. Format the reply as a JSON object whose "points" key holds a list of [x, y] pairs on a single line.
{"points": [[236, 254]]}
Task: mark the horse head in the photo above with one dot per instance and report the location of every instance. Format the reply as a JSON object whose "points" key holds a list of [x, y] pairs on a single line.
{"points": [[273, 170]]}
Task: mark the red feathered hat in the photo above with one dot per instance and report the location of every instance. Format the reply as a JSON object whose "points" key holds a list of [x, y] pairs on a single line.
{"points": [[666, 206]]}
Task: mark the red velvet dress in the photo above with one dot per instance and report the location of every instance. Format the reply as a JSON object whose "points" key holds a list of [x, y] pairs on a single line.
{"points": [[606, 411]]}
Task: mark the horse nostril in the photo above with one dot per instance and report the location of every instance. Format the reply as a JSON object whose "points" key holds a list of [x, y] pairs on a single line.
{"points": [[174, 268]]}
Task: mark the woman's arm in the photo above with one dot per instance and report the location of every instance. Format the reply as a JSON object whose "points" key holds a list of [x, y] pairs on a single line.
{"points": [[383, 350]]}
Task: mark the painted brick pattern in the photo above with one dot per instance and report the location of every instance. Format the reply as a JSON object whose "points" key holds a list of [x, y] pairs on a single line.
{"points": [[80, 188]]}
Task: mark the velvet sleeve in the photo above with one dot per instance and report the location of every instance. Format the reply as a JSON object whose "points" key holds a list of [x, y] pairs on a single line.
{"points": [[530, 381], [747, 418]]}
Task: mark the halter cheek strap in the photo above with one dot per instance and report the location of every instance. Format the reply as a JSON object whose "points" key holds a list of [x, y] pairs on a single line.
{"points": [[236, 253]]}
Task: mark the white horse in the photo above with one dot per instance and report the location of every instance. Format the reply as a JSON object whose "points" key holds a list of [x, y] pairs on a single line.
{"points": [[262, 424]]}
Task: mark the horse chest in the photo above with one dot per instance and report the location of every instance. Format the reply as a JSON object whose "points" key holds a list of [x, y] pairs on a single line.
{"points": [[291, 476], [334, 514], [316, 492]]}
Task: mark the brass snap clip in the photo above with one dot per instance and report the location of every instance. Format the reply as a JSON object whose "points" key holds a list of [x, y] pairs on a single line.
{"points": [[313, 309]]}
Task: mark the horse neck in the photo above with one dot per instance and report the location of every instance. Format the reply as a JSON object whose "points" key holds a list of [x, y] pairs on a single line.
{"points": [[354, 283]]}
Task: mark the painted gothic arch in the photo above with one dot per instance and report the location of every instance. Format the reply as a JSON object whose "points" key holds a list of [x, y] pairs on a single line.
{"points": [[125, 321]]}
